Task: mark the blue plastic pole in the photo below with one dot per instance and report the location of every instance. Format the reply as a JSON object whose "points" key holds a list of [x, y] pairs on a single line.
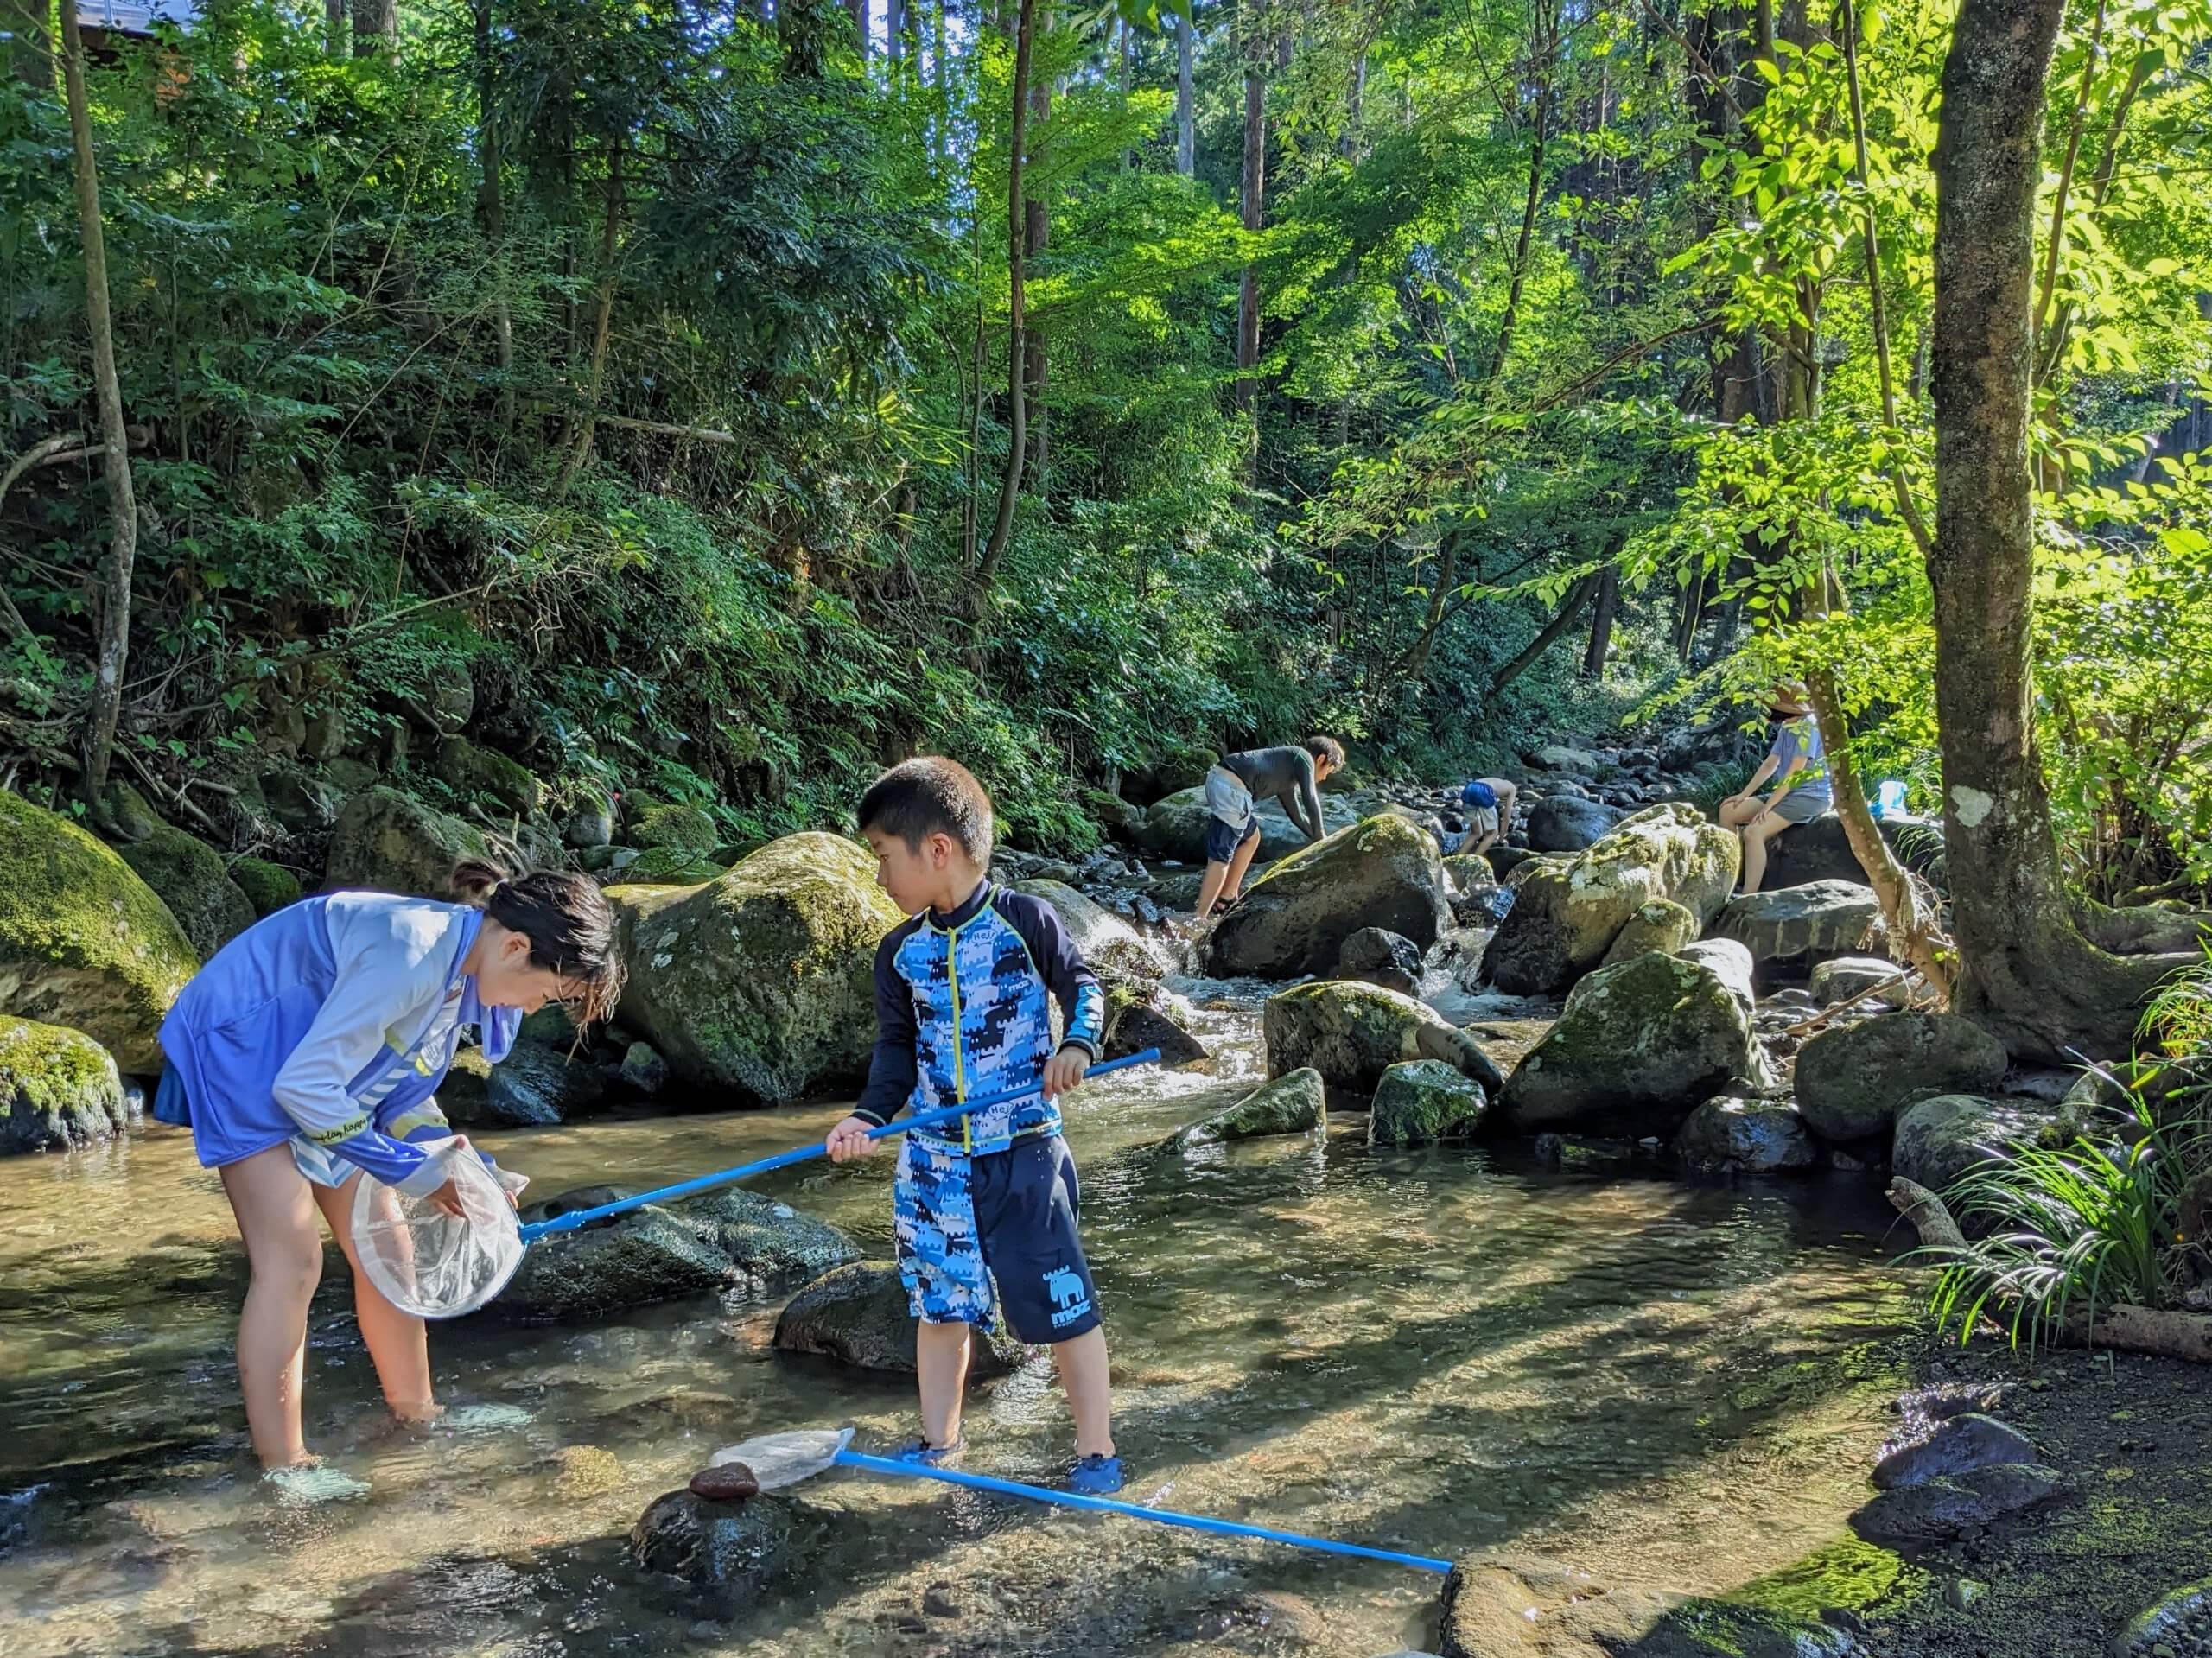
{"points": [[1131, 1510], [576, 1220]]}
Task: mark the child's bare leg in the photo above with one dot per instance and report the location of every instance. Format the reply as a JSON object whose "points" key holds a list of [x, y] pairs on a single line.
{"points": [[1210, 888], [1241, 865], [941, 1356], [275, 1216], [1083, 1374], [398, 1345]]}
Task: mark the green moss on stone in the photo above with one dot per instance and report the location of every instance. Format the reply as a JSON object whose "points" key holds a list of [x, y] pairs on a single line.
{"points": [[1423, 1101], [469, 770], [58, 1089], [684, 829], [269, 887], [83, 938], [1851, 1574], [195, 883], [392, 842]]}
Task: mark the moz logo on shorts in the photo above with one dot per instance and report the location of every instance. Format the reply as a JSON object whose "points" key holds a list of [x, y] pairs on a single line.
{"points": [[1069, 1300]]}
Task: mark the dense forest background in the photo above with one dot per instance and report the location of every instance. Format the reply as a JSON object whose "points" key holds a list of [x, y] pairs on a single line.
{"points": [[700, 393]]}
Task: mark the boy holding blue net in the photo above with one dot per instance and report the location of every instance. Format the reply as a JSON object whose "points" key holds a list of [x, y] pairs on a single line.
{"points": [[985, 1214]]}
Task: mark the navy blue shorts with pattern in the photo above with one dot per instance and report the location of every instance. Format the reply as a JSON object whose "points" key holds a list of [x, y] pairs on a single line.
{"points": [[963, 1221]]}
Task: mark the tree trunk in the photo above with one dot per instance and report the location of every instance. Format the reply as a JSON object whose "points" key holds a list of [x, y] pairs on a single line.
{"points": [[603, 326], [1544, 52], [493, 210], [1447, 572], [1128, 78], [940, 76], [1569, 607], [1186, 130], [894, 29], [1355, 148], [333, 27], [1252, 200], [1601, 624], [858, 10], [1036, 237], [1017, 416], [2027, 974], [376, 27], [113, 608]]}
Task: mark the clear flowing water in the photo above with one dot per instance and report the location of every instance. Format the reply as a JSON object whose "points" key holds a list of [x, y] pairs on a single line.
{"points": [[1447, 1351]]}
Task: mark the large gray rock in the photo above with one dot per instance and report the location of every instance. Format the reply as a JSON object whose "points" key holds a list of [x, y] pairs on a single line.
{"points": [[1132, 1027], [737, 1552], [1422, 1101], [1942, 1510], [1734, 1135], [1730, 963], [1377, 955], [1568, 911], [533, 1086], [1351, 1033], [859, 1316], [761, 982], [1293, 1104], [58, 1089], [1820, 850], [1569, 823], [1790, 930], [1846, 976], [1937, 1140], [1662, 925], [1294, 920], [394, 844], [1958, 1445], [721, 1241], [84, 942], [1116, 951], [1176, 827], [1636, 1048], [1851, 1081]]}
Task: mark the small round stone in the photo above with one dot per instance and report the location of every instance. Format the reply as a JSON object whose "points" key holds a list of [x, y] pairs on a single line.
{"points": [[729, 1481]]}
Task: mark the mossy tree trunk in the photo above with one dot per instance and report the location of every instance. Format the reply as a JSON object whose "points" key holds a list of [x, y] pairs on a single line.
{"points": [[2027, 972]]}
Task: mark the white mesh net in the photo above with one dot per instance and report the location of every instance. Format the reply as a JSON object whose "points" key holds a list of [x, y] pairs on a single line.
{"points": [[428, 1262], [781, 1459]]}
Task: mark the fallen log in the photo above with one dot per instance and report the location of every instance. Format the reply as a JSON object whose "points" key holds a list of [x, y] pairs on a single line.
{"points": [[2159, 1332]]}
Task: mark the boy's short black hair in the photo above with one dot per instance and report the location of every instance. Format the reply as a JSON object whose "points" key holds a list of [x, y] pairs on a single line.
{"points": [[1326, 748], [928, 796]]}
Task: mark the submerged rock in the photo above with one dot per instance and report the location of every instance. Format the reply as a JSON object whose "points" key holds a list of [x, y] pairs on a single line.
{"points": [[739, 1551], [1738, 1135], [1294, 1104], [1422, 1101], [1958, 1445], [859, 1315], [1568, 911], [58, 1089], [761, 982], [85, 943], [1351, 1033], [1853, 1081], [1944, 1508], [1636, 1048], [1495, 1611], [1294, 920]]}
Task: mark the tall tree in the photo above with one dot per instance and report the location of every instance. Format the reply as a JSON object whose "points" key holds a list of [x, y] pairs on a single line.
{"points": [[1036, 236], [490, 208], [1017, 332], [1186, 125], [113, 590], [376, 27], [2029, 972], [1252, 193]]}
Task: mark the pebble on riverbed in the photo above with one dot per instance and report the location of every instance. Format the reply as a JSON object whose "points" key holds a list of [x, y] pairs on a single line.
{"points": [[728, 1482]]}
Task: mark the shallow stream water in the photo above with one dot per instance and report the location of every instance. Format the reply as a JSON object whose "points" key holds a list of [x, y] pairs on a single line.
{"points": [[1448, 1351]]}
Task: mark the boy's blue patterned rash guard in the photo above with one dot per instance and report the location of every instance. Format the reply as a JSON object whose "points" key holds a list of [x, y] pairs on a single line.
{"points": [[961, 1010]]}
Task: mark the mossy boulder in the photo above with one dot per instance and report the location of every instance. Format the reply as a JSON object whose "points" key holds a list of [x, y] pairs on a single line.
{"points": [[1116, 952], [1423, 1101], [129, 815], [195, 883], [303, 801], [395, 843], [1351, 1033], [267, 887], [1662, 925], [761, 983], [1176, 827], [1568, 912], [83, 939], [1938, 1140], [468, 770], [668, 866], [1295, 1104], [1851, 1081], [1638, 1047], [658, 825], [1384, 873], [860, 1316], [58, 1089]]}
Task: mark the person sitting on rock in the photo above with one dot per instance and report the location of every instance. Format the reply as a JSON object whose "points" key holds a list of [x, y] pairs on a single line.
{"points": [[1799, 766], [1293, 775], [984, 1216], [309, 1051], [1489, 803]]}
